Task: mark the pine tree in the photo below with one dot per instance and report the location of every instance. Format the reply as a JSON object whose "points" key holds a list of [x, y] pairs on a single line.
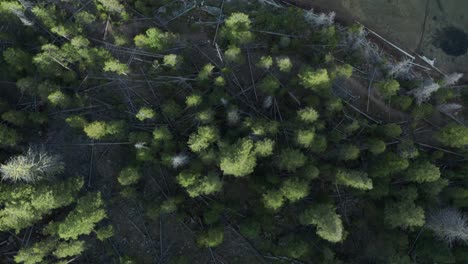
{"points": [[314, 80], [422, 171], [284, 64], [145, 113], [238, 159], [273, 199], [24, 205], [128, 176], [155, 39], [353, 178], [295, 189], [265, 62], [115, 66], [291, 159], [453, 135], [404, 212], [376, 146], [328, 223], [81, 220], [348, 152], [203, 138], [308, 115], [237, 29], [212, 237], [69, 249], [35, 253], [8, 136], [388, 88]]}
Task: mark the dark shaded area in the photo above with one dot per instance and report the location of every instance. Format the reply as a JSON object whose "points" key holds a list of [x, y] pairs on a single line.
{"points": [[453, 41]]}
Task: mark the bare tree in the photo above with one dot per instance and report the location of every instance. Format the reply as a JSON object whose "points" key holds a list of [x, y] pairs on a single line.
{"points": [[401, 68], [320, 19], [179, 160], [35, 164], [449, 224], [449, 108], [452, 79], [423, 93]]}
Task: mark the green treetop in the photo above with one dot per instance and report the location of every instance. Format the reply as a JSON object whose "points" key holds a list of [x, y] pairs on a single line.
{"points": [[273, 199], [376, 146], [154, 39], [102, 129], [269, 85], [328, 223], [8, 136], [206, 72], [233, 55], [308, 115], [264, 148], [284, 64], [295, 189], [35, 253], [388, 164], [404, 212], [354, 179], [237, 29], [115, 66], [291, 159], [422, 171], [145, 113], [265, 62], [24, 205], [212, 237], [195, 184], [314, 80], [69, 249], [88, 211], [128, 176], [203, 138], [59, 98], [453, 135], [238, 159], [388, 88], [305, 138]]}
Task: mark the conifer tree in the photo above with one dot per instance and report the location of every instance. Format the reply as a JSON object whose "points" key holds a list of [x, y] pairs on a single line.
{"points": [[422, 171], [128, 176], [328, 223], [154, 39], [273, 199], [81, 220], [291, 159], [69, 249], [239, 159], [314, 80], [35, 253], [453, 135], [295, 189], [403, 212], [388, 88], [212, 237], [353, 178], [237, 29], [203, 138], [24, 205]]}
